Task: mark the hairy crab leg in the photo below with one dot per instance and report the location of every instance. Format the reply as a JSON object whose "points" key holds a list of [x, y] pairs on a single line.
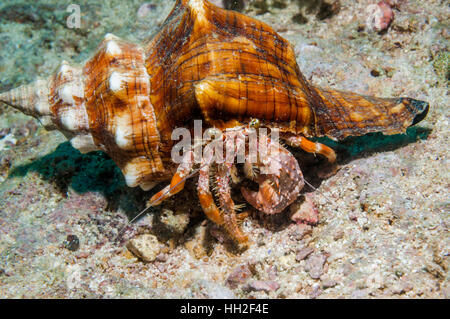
{"points": [[234, 141], [309, 146], [204, 194], [206, 199], [178, 180], [227, 206]]}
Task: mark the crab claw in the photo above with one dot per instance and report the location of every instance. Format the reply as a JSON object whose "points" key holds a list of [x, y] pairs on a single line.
{"points": [[277, 189]]}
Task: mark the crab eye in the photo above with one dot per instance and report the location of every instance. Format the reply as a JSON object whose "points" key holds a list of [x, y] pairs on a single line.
{"points": [[213, 133], [254, 123]]}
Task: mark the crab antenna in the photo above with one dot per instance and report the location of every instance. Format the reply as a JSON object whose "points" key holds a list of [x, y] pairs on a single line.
{"points": [[156, 199]]}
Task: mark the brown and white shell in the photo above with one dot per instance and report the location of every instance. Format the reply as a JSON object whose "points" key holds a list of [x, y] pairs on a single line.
{"points": [[206, 62], [104, 105]]}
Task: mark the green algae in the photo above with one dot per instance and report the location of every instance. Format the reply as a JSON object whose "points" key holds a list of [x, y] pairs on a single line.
{"points": [[442, 65]]}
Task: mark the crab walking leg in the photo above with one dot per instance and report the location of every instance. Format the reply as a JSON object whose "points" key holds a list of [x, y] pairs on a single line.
{"points": [[204, 194], [226, 203], [178, 180], [309, 146], [228, 221]]}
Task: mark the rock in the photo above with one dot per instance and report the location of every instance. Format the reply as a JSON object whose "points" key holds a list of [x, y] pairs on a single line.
{"points": [[318, 9], [260, 6], [239, 275], [305, 212], [315, 265], [259, 285], [379, 16], [145, 247], [72, 243], [169, 224], [161, 257], [299, 231], [315, 292], [338, 235], [328, 283], [304, 252], [260, 240], [196, 249], [236, 5], [327, 9]]}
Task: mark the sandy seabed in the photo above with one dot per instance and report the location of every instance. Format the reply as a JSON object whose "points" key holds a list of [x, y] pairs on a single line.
{"points": [[383, 229]]}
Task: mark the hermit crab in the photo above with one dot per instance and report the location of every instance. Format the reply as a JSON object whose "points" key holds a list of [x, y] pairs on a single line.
{"points": [[230, 71]]}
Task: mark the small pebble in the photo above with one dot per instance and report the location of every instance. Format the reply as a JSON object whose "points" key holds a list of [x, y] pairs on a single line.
{"points": [[375, 73], [259, 285], [328, 283], [83, 254], [360, 294], [145, 247], [379, 16], [299, 231], [338, 235], [4, 132], [72, 243], [174, 223], [315, 265], [239, 275], [304, 252], [316, 291], [305, 212], [260, 240], [161, 257]]}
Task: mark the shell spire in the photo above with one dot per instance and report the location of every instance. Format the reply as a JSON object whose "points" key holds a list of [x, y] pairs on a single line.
{"points": [[31, 99], [102, 105], [57, 102]]}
